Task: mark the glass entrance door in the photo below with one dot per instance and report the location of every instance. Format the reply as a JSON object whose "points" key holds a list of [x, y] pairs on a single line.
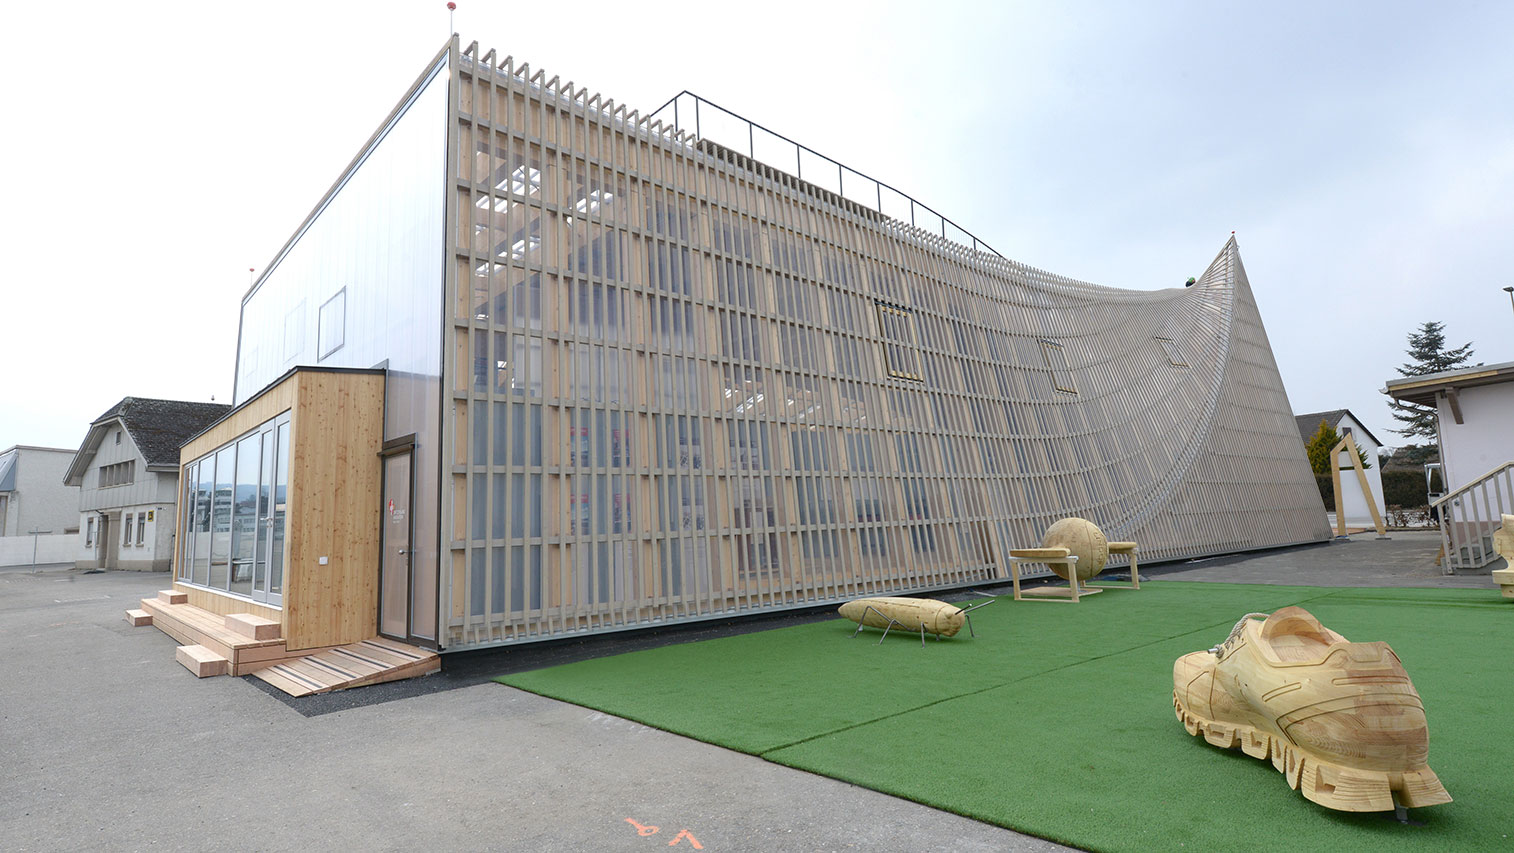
{"points": [[395, 532]]}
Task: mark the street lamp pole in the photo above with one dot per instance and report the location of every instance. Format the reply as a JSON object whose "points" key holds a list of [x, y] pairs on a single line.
{"points": [[1510, 291]]}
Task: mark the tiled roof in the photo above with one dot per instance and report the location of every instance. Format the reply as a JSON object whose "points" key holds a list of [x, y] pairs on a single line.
{"points": [[1308, 424], [159, 426]]}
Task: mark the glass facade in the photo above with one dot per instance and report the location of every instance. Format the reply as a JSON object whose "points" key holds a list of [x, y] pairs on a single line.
{"points": [[360, 285], [231, 518], [683, 384]]}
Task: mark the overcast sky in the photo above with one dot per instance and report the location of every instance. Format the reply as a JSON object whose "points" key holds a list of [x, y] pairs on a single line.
{"points": [[1362, 152]]}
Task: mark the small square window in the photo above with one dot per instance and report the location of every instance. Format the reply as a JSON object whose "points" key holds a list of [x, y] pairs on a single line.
{"points": [[1174, 355], [333, 324], [1056, 363]]}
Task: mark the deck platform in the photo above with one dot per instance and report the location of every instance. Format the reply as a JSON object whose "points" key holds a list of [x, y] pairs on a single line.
{"points": [[249, 645], [369, 662], [192, 626]]}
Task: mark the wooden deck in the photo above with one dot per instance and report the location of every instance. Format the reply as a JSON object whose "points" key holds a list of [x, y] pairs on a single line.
{"points": [[241, 644], [369, 662], [192, 626]]}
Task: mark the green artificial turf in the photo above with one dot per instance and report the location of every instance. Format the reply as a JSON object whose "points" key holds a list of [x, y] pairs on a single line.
{"points": [[1057, 719]]}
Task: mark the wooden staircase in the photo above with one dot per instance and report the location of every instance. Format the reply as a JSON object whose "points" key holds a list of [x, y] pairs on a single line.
{"points": [[244, 644]]}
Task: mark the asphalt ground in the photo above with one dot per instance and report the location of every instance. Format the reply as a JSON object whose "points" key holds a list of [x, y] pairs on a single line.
{"points": [[106, 743]]}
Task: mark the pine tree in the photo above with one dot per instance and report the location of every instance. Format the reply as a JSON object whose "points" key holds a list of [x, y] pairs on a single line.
{"points": [[1428, 349], [1319, 447]]}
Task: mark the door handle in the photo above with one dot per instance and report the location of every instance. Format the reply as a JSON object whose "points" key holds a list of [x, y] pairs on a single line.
{"points": [[401, 551]]}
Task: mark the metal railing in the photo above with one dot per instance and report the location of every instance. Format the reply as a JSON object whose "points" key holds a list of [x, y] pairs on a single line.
{"points": [[1470, 515], [718, 124]]}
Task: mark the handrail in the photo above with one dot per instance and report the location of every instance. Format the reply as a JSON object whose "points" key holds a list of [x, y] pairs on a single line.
{"points": [[1469, 486], [841, 168]]}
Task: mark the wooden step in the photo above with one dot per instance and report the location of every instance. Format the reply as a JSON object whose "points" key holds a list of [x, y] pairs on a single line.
{"points": [[192, 626], [171, 596], [138, 618], [253, 627], [202, 661], [369, 662]]}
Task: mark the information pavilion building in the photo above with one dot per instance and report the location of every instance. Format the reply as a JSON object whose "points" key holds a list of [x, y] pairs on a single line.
{"points": [[538, 365]]}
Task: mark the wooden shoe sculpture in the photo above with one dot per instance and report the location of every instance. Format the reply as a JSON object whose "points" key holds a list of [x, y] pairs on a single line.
{"points": [[1340, 720]]}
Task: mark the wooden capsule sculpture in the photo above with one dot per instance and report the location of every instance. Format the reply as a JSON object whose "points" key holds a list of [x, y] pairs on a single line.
{"points": [[924, 615]]}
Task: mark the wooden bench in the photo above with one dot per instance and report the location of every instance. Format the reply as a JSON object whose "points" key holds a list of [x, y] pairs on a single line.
{"points": [[1051, 557]]}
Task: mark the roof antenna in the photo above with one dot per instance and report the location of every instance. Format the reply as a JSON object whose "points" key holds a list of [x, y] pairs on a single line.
{"points": [[451, 7]]}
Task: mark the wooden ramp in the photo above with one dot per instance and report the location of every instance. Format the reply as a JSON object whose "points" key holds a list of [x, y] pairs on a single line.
{"points": [[369, 662]]}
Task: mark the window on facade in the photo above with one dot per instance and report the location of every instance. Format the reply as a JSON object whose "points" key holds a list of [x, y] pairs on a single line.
{"points": [[294, 332], [126, 531], [89, 533], [118, 436], [118, 474], [141, 527], [333, 323], [231, 532], [1056, 362], [896, 326], [1174, 355]]}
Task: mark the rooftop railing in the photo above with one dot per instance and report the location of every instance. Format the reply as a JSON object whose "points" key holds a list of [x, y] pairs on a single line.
{"points": [[708, 120]]}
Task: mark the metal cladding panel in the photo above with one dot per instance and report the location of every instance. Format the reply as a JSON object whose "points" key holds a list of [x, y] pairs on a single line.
{"points": [[684, 384]]}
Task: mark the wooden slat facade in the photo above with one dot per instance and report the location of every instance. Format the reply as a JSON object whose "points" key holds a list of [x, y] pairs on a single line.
{"points": [[681, 384]]}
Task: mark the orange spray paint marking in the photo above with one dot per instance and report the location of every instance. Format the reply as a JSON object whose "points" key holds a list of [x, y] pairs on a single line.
{"points": [[643, 830], [682, 834]]}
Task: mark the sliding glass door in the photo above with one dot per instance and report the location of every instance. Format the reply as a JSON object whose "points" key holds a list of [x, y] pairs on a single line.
{"points": [[233, 519]]}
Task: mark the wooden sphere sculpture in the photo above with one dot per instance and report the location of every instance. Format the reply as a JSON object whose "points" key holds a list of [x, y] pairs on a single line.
{"points": [[1082, 539]]}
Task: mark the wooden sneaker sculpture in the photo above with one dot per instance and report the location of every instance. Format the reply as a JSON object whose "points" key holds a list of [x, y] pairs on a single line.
{"points": [[1339, 720]]}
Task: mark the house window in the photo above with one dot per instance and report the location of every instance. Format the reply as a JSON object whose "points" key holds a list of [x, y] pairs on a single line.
{"points": [[898, 332], [1174, 355], [1056, 363], [119, 474], [118, 436], [89, 533], [332, 331], [126, 531], [141, 528]]}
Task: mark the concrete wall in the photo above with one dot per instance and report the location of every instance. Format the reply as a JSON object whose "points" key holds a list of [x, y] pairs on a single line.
{"points": [[40, 501], [1357, 513], [1485, 438], [21, 550]]}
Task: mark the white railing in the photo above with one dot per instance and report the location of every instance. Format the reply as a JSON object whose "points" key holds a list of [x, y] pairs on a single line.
{"points": [[1470, 515]]}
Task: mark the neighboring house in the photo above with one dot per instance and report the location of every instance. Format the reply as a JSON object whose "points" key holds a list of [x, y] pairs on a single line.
{"points": [[36, 510], [538, 366], [1475, 409], [127, 474], [1345, 423]]}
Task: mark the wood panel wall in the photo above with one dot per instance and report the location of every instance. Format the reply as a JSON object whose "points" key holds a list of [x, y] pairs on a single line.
{"points": [[334, 495], [332, 511]]}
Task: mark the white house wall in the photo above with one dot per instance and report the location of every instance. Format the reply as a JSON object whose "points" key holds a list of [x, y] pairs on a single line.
{"points": [[1485, 437], [151, 492], [143, 489], [40, 501], [1357, 514]]}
